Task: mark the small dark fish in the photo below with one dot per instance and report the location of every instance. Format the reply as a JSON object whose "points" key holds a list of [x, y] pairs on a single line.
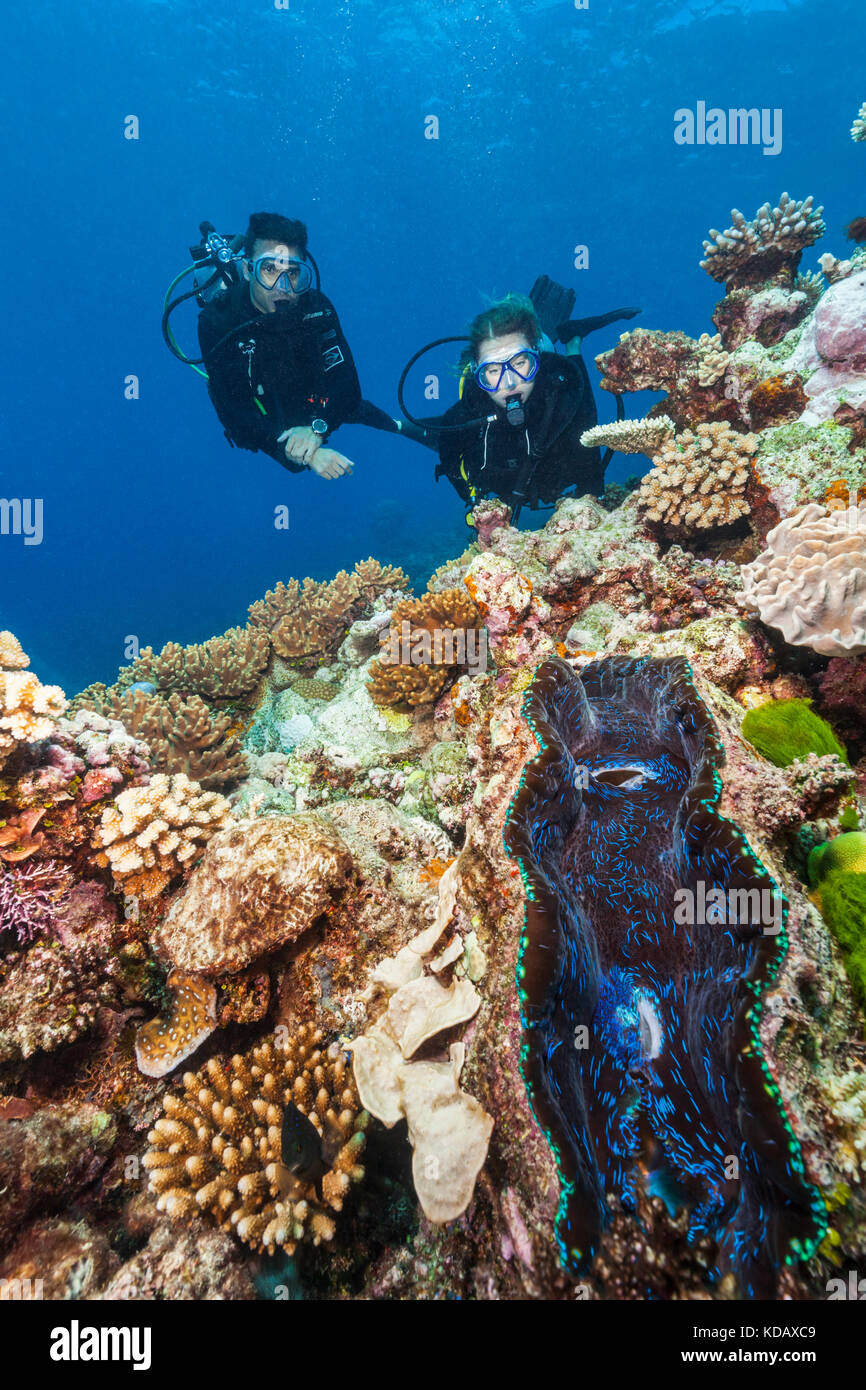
{"points": [[301, 1146], [856, 230]]}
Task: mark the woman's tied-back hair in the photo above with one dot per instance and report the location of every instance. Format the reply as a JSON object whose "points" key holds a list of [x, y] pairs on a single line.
{"points": [[272, 226], [513, 314]]}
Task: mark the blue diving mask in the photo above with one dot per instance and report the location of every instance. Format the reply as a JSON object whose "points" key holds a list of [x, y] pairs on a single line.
{"points": [[522, 364], [279, 272]]}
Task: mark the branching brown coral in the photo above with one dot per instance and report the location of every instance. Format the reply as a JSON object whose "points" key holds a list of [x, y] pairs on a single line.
{"points": [[218, 1146], [308, 621], [767, 248], [183, 735], [150, 834], [698, 480], [224, 667], [424, 667]]}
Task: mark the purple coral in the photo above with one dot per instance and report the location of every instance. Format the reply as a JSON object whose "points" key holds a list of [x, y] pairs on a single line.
{"points": [[31, 898]]}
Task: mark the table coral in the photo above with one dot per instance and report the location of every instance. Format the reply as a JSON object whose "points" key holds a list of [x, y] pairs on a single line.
{"points": [[768, 247], [260, 884], [218, 1146], [148, 835], [699, 479], [810, 582], [630, 436]]}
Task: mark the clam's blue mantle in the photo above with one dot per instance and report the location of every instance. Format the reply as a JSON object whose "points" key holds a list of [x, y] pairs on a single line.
{"points": [[639, 1028]]}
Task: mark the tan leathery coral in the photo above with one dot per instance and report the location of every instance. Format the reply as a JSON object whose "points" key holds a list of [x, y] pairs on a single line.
{"points": [[182, 733], [407, 682], [699, 478], [150, 834], [810, 582], [307, 622], [217, 1148], [260, 884]]}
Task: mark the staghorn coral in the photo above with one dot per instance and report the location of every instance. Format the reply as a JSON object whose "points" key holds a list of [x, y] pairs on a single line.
{"points": [[218, 1146], [260, 884], [163, 1043], [182, 735], [768, 247], [31, 899], [424, 649], [699, 479], [150, 834], [630, 436], [858, 129], [28, 710], [307, 622], [810, 582]]}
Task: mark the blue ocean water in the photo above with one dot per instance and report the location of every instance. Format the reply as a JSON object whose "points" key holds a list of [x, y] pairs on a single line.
{"points": [[555, 130]]}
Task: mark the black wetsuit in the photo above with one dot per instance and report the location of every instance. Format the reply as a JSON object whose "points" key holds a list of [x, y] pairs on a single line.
{"points": [[533, 463], [295, 362]]}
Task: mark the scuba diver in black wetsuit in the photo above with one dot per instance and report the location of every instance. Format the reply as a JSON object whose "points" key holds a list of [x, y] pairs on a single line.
{"points": [[515, 431], [279, 370]]}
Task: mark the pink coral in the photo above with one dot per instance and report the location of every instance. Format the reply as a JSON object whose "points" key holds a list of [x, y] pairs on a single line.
{"points": [[832, 351], [31, 899]]}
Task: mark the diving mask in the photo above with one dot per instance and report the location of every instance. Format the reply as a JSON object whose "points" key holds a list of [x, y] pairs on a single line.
{"points": [[522, 364], [278, 272]]}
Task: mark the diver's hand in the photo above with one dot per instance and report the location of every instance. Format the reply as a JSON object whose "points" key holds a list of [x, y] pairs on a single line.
{"points": [[329, 464], [301, 443]]}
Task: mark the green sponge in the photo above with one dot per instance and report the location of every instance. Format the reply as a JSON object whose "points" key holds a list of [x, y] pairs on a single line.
{"points": [[845, 853], [843, 907], [784, 730]]}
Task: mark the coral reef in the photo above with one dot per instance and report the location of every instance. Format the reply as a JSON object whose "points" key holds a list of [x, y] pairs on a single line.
{"points": [[428, 643], [260, 884], [630, 436], [699, 479], [307, 622], [858, 129], [29, 709], [810, 582], [162, 1044], [149, 834], [218, 1146], [181, 733], [768, 247]]}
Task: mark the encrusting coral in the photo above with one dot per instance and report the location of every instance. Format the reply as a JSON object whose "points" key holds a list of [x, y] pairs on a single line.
{"points": [[630, 436], [769, 245], [810, 582], [424, 649], [260, 884], [307, 622], [28, 710], [699, 478], [150, 834], [218, 1146]]}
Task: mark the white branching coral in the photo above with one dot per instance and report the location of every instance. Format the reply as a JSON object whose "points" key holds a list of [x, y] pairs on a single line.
{"points": [[786, 230], [712, 359], [858, 129], [630, 436], [150, 834], [810, 582], [699, 479], [28, 710]]}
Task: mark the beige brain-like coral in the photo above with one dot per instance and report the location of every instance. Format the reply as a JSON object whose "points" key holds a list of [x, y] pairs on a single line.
{"points": [[150, 834], [218, 1146], [630, 436], [699, 479], [858, 129], [774, 238], [260, 884], [810, 582], [28, 710]]}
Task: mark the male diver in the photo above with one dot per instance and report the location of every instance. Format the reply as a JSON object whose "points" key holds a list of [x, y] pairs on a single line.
{"points": [[515, 431], [280, 372]]}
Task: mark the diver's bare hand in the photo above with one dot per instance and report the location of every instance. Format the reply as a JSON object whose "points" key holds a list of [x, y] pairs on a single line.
{"points": [[329, 464], [301, 443]]}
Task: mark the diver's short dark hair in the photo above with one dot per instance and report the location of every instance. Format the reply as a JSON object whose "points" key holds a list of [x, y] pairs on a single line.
{"points": [[513, 314], [272, 226]]}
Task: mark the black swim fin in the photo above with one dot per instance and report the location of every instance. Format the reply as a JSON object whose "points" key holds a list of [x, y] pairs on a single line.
{"points": [[578, 328], [552, 303]]}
